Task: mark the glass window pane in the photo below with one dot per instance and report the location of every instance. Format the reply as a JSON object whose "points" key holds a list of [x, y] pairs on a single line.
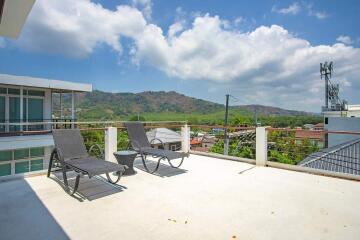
{"points": [[35, 112], [36, 165], [14, 112], [21, 167], [6, 155], [37, 152], [3, 90], [36, 93], [21, 153], [13, 91], [5, 169], [2, 113]]}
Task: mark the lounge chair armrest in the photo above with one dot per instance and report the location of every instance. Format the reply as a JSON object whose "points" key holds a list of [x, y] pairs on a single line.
{"points": [[162, 143], [97, 146]]}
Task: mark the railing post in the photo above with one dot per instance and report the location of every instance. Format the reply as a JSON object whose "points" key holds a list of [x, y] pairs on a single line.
{"points": [[261, 146], [185, 136], [110, 143]]}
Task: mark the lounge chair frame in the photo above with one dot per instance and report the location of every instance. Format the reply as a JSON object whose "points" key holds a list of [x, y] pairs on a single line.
{"points": [[58, 160], [144, 147]]}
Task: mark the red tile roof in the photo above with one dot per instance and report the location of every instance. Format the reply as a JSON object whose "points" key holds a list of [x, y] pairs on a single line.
{"points": [[317, 135], [195, 142]]}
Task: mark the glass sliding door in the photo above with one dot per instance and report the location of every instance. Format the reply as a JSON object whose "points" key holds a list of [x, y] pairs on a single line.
{"points": [[35, 112], [14, 113], [2, 113]]}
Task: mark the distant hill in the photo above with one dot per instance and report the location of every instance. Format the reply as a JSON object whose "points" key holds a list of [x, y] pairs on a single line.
{"points": [[100, 105], [273, 111]]}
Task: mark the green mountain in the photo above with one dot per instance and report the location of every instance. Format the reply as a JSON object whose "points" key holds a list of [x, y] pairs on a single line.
{"points": [[165, 106]]}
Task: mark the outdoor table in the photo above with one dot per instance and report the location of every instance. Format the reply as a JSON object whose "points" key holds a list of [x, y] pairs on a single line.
{"points": [[126, 158]]}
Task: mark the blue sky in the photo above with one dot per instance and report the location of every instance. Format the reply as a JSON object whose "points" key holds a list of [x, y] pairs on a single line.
{"points": [[262, 52]]}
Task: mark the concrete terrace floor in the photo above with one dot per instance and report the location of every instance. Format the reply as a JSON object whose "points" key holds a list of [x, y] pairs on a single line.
{"points": [[210, 199]]}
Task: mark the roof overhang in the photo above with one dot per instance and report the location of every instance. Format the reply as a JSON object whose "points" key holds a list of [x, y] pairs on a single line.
{"points": [[13, 14], [44, 83]]}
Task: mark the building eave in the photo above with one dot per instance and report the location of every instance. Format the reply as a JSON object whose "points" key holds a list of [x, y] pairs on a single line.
{"points": [[6, 79], [13, 14]]}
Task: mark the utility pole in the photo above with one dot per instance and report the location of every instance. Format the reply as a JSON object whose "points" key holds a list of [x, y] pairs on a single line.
{"points": [[255, 117], [226, 139]]}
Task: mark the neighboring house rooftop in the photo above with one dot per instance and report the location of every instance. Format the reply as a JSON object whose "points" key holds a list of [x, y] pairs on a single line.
{"points": [[44, 83], [315, 135], [164, 134], [344, 158], [308, 126], [209, 140], [195, 142]]}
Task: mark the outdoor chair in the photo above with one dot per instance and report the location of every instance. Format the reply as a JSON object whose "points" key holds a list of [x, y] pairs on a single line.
{"points": [[70, 154], [140, 143]]}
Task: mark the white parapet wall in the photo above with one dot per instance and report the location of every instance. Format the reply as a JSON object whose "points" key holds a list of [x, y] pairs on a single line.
{"points": [[110, 144], [185, 136], [261, 146]]}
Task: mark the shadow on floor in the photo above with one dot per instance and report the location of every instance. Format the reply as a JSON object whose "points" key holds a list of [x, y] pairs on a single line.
{"points": [[164, 170], [89, 188], [24, 216]]}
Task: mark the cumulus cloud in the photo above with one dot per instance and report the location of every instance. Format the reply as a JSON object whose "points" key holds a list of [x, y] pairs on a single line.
{"points": [[76, 28], [267, 65], [293, 9], [145, 6], [345, 39], [269, 62]]}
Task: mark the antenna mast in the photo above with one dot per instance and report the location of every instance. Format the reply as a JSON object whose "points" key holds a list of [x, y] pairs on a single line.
{"points": [[331, 90]]}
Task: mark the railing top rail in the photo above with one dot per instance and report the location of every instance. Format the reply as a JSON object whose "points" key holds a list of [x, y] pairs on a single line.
{"points": [[317, 131], [84, 122]]}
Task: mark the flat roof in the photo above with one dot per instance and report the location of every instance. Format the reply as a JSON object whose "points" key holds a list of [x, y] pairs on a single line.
{"points": [[207, 198], [13, 14], [44, 83]]}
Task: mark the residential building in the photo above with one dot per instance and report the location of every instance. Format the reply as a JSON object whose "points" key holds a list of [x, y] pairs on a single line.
{"points": [[208, 142], [346, 120], [26, 120], [318, 127], [315, 137], [169, 139]]}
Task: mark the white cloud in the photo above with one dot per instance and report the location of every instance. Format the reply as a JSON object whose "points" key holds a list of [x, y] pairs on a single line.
{"points": [[271, 64], [238, 21], [76, 28], [145, 6], [315, 13], [267, 65], [293, 9], [345, 39]]}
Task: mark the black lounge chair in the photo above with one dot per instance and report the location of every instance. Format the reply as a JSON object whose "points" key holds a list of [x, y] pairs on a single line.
{"points": [[140, 143], [70, 154]]}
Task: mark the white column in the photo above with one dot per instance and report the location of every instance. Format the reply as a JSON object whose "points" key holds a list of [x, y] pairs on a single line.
{"points": [[21, 106], [72, 108], [110, 144], [261, 146], [185, 136]]}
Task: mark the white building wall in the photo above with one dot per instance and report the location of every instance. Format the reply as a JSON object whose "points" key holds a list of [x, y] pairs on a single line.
{"points": [[342, 124]]}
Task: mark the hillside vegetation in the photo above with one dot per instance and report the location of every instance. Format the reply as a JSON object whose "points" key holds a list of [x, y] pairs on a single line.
{"points": [[172, 106]]}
